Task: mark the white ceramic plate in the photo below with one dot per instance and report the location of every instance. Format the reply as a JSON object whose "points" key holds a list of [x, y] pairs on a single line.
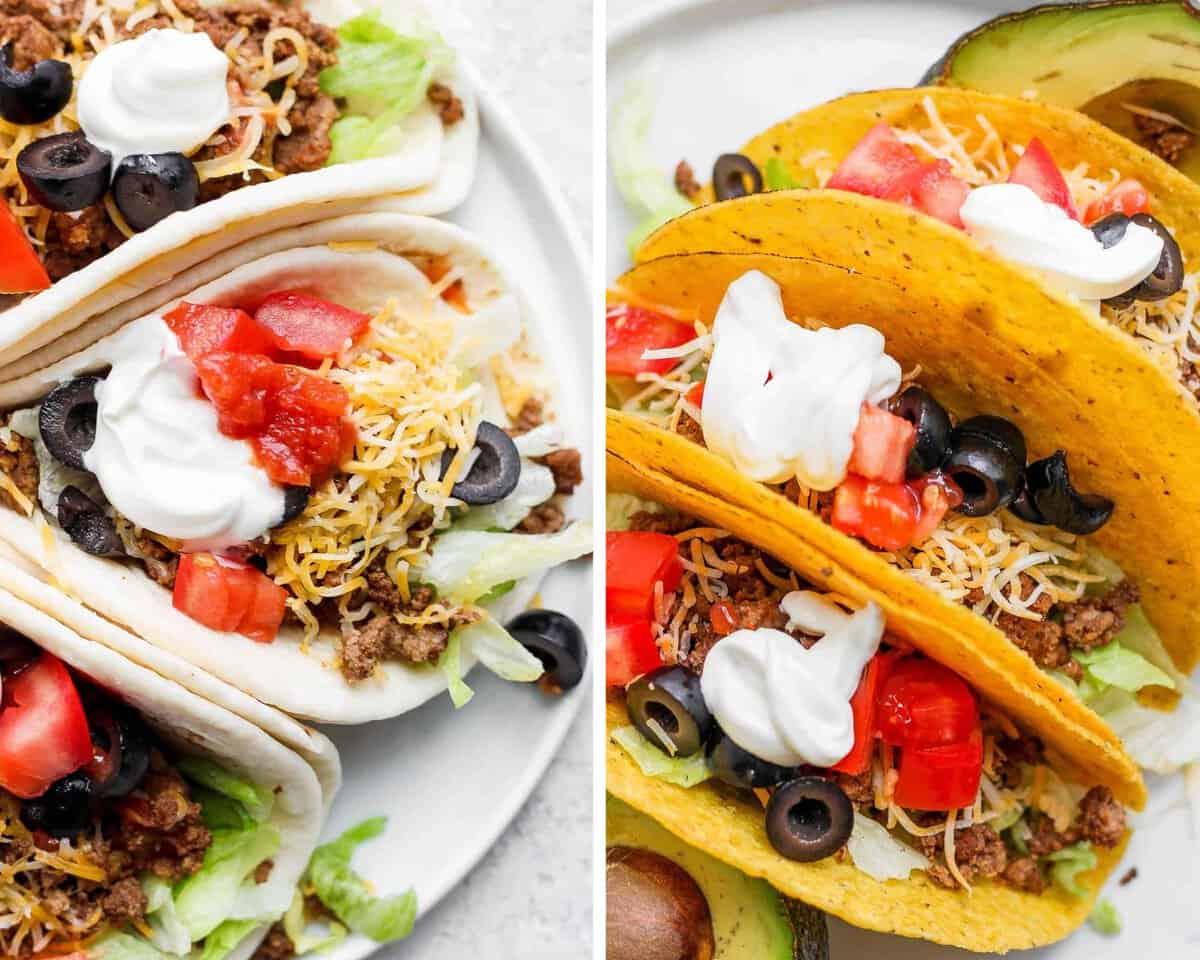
{"points": [[725, 72], [450, 781]]}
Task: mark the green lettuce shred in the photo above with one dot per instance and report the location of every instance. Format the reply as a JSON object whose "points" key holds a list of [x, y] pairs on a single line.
{"points": [[776, 176], [344, 892], [305, 937], [1105, 919], [1068, 863], [220, 943], [682, 771], [619, 509], [211, 775], [124, 946], [1115, 665], [450, 663], [205, 900]]}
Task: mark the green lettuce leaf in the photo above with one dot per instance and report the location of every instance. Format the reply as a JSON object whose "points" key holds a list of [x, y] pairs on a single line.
{"points": [[124, 946], [206, 899], [1114, 665], [1067, 864], [343, 891], [619, 509], [682, 771], [219, 943], [168, 932], [220, 812], [450, 663], [305, 938], [499, 651], [1105, 919], [1139, 635], [776, 176], [211, 775]]}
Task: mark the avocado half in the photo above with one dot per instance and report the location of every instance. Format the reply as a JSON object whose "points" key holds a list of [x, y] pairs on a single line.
{"points": [[1099, 58], [750, 920]]}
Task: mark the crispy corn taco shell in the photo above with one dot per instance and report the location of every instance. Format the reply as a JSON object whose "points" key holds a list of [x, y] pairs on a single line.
{"points": [[993, 918]]}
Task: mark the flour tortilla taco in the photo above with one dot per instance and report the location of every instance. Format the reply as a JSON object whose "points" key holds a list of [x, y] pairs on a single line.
{"points": [[777, 722], [139, 818], [154, 124], [864, 413], [323, 466]]}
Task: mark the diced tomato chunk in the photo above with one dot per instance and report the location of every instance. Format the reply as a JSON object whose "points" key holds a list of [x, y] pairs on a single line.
{"points": [[882, 443], [934, 190], [629, 331], [876, 165], [864, 705], [1037, 170], [883, 514], [630, 649], [938, 494], [940, 778], [924, 704], [635, 561], [229, 596], [43, 729], [695, 396], [299, 324], [203, 329], [1128, 197], [723, 617], [20, 269]]}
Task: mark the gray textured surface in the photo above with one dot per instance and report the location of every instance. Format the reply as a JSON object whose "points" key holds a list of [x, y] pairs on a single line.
{"points": [[530, 897]]}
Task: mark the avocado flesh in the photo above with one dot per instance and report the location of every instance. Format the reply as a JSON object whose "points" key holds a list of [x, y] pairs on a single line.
{"points": [[1089, 57], [750, 920]]}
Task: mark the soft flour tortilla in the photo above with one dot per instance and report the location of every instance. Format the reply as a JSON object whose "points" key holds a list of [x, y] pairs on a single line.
{"points": [[992, 918], [431, 175], [989, 337], [360, 262], [198, 727]]}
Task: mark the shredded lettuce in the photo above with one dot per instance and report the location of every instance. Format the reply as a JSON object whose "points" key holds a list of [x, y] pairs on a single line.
{"points": [[534, 487], [498, 591], [382, 76], [207, 899], [308, 937], [465, 564], [776, 176], [168, 932], [1105, 919], [220, 812], [1067, 864], [619, 509], [646, 189], [1139, 635], [682, 771], [880, 855], [219, 943], [450, 663], [1159, 741], [124, 946], [1114, 665], [344, 892], [257, 802], [499, 651]]}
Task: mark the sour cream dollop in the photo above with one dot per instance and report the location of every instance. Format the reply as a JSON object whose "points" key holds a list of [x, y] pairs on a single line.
{"points": [[1016, 223], [784, 703], [781, 401], [164, 91], [158, 455]]}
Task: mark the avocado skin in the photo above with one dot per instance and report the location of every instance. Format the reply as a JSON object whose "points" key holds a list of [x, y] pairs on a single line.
{"points": [[750, 920]]}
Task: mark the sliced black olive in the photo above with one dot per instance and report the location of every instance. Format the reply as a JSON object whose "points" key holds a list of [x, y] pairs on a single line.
{"points": [[67, 420], [920, 409], [88, 526], [1049, 484], [64, 810], [740, 768], [1167, 278], [121, 751], [150, 186], [556, 640], [495, 472], [735, 175], [987, 462], [34, 95], [1111, 229], [809, 819], [295, 499], [65, 172], [668, 708], [1024, 507]]}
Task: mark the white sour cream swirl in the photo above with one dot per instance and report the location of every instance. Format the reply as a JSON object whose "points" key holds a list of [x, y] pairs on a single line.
{"points": [[158, 455], [1016, 223], [784, 703], [781, 401], [163, 91]]}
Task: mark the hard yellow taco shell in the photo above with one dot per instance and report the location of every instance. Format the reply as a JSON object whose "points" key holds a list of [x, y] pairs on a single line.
{"points": [[992, 918]]}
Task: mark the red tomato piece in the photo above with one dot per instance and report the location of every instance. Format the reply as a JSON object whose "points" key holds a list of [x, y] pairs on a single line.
{"points": [[933, 190], [882, 443], [629, 331], [924, 704], [1127, 197], [635, 561], [315, 329], [876, 165], [1037, 170], [941, 778], [937, 494], [43, 729], [723, 617], [229, 596], [629, 650], [883, 514], [203, 329], [20, 269], [864, 705], [695, 396]]}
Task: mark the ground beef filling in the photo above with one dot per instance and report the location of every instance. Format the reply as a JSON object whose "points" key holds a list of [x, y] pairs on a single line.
{"points": [[21, 467], [685, 180], [1162, 138]]}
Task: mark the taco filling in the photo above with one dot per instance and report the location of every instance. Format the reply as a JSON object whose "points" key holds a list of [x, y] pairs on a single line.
{"points": [[298, 463], [829, 420], [1089, 234], [734, 670], [117, 114], [108, 833]]}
